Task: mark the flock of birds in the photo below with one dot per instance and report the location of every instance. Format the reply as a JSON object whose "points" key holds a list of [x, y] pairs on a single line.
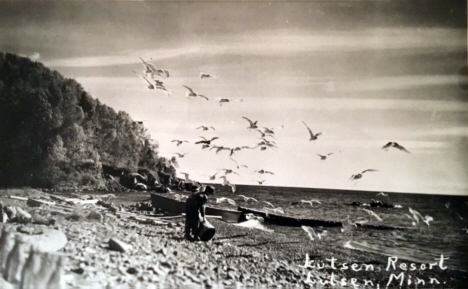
{"points": [[266, 141], [266, 138]]}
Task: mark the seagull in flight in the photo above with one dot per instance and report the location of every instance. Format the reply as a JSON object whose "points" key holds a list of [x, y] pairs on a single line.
{"points": [[264, 134], [190, 93], [324, 157], [213, 177], [246, 199], [260, 182], [268, 130], [180, 155], [269, 204], [238, 167], [151, 70], [394, 145], [312, 235], [179, 142], [227, 183], [225, 200], [263, 172], [206, 141], [358, 176], [382, 194], [373, 214], [150, 84], [227, 100], [219, 148], [311, 202], [228, 171], [312, 135], [252, 124], [416, 216], [205, 127], [206, 75]]}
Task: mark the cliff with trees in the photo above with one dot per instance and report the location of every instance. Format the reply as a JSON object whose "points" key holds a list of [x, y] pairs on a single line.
{"points": [[54, 134]]}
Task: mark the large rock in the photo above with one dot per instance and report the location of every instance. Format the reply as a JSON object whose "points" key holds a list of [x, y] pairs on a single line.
{"points": [[118, 245], [50, 240]]}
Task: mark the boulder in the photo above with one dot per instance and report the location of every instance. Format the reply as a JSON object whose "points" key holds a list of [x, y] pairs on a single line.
{"points": [[50, 240], [118, 245]]}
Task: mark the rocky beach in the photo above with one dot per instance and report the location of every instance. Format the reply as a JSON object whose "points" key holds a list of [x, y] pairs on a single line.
{"points": [[135, 246]]}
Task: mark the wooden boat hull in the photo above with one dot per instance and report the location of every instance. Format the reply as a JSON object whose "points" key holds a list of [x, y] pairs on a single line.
{"points": [[178, 207]]}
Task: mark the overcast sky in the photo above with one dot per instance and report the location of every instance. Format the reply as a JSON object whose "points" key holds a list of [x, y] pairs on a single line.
{"points": [[361, 72]]}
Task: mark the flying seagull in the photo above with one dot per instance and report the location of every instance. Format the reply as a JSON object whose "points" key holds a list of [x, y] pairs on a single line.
{"points": [[226, 100], [205, 127], [150, 84], [219, 148], [269, 131], [264, 134], [190, 93], [322, 157], [394, 145], [246, 199], [373, 214], [312, 135], [180, 155], [206, 75], [416, 216], [269, 204], [225, 200], [206, 141], [151, 70], [227, 183], [311, 202], [228, 171], [358, 176], [238, 167], [263, 172], [213, 177], [252, 124], [312, 235], [179, 142]]}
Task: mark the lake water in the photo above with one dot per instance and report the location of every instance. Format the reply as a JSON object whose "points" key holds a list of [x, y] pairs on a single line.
{"points": [[444, 235]]}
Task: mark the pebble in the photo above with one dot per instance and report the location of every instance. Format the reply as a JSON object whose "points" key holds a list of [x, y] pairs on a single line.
{"points": [[132, 270]]}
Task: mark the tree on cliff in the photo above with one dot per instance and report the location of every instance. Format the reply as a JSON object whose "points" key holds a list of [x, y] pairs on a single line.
{"points": [[53, 133]]}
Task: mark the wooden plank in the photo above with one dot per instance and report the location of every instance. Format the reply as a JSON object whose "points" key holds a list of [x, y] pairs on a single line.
{"points": [[18, 198]]}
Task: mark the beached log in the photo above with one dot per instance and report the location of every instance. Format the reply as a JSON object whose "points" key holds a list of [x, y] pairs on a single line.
{"points": [[171, 217], [232, 237], [146, 221], [18, 198], [37, 203]]}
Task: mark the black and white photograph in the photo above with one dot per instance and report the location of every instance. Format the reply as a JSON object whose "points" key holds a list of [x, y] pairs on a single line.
{"points": [[233, 144]]}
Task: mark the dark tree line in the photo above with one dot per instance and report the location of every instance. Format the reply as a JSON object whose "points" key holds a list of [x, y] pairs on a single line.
{"points": [[53, 133]]}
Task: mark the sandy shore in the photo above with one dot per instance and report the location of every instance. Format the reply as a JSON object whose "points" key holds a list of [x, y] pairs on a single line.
{"points": [[236, 256]]}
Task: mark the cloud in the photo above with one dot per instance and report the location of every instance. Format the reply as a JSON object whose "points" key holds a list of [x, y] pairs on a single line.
{"points": [[396, 82], [35, 56], [288, 42], [122, 58]]}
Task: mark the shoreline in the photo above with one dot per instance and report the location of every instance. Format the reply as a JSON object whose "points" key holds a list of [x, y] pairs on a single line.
{"points": [[243, 256]]}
